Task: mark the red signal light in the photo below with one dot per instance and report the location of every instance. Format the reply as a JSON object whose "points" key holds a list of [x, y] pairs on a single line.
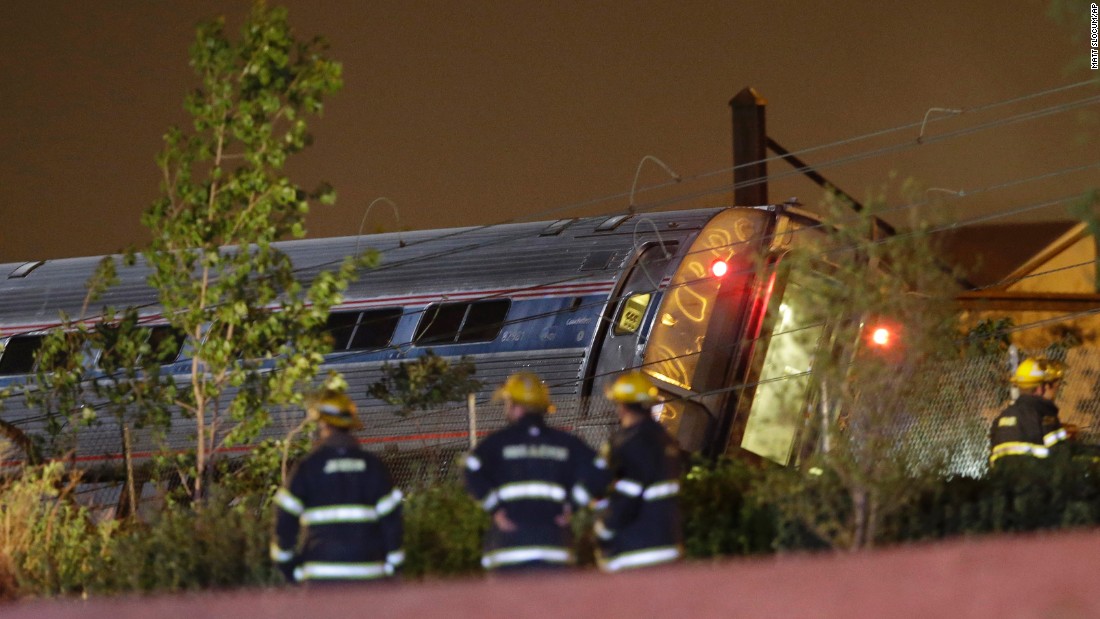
{"points": [[881, 336], [719, 268]]}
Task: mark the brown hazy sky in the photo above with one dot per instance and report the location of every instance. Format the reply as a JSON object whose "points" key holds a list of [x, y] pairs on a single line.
{"points": [[475, 112]]}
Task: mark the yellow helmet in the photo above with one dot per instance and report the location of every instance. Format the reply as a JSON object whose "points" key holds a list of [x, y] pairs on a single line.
{"points": [[634, 387], [525, 389], [1033, 372], [335, 409]]}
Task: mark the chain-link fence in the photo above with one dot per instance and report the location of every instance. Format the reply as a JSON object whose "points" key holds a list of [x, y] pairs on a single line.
{"points": [[972, 392], [423, 447], [420, 448]]}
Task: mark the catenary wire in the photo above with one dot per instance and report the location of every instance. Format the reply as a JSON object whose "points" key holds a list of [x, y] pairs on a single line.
{"points": [[953, 225], [1025, 116], [987, 125]]}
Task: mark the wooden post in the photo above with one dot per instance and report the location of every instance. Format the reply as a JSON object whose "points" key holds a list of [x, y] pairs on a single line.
{"points": [[127, 446], [750, 172], [471, 409]]}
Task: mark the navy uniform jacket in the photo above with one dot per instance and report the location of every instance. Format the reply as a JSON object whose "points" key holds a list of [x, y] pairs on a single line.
{"points": [[642, 523], [351, 512], [1029, 427], [532, 472]]}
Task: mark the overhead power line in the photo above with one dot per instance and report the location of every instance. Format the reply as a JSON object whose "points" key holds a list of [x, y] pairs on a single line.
{"points": [[1018, 118]]}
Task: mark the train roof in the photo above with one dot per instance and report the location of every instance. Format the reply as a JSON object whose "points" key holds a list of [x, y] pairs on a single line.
{"points": [[507, 257]]}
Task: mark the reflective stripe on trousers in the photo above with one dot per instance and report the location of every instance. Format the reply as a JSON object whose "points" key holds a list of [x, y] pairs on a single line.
{"points": [[653, 492], [523, 554], [342, 571], [643, 558]]}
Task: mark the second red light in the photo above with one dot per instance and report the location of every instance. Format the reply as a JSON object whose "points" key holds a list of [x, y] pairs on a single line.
{"points": [[881, 336]]}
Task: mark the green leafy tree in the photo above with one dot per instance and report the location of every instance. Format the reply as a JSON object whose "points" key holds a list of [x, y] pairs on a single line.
{"points": [[990, 336], [255, 329], [871, 398], [126, 382], [425, 383]]}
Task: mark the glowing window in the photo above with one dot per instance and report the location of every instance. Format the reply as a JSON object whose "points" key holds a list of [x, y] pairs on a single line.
{"points": [[631, 314]]}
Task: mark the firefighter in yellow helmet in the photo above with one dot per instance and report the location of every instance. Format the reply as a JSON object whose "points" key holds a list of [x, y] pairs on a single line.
{"points": [[641, 524], [344, 498], [1030, 428], [530, 478]]}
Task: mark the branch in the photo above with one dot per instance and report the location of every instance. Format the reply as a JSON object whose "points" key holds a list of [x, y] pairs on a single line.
{"points": [[21, 440]]}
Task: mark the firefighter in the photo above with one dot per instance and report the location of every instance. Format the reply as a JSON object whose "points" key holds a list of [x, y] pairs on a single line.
{"points": [[641, 525], [530, 478], [1029, 428], [344, 499]]}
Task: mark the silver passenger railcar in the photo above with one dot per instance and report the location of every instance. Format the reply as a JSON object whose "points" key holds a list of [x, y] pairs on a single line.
{"points": [[693, 297]]}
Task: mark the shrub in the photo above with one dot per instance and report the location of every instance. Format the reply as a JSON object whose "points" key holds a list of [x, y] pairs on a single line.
{"points": [[721, 517], [443, 531], [222, 543], [49, 545], [1017, 496]]}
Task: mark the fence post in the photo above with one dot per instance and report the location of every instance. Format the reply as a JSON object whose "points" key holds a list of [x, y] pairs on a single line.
{"points": [[130, 490], [471, 409]]}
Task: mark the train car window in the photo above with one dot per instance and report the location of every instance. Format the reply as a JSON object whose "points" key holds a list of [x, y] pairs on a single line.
{"points": [[484, 321], [557, 227], [597, 260], [341, 327], [462, 323], [18, 355], [24, 269], [166, 343], [612, 222], [108, 356], [376, 329], [440, 323], [688, 421], [631, 313], [648, 271]]}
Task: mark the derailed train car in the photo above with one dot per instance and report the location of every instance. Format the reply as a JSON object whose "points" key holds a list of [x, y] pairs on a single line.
{"points": [[694, 297]]}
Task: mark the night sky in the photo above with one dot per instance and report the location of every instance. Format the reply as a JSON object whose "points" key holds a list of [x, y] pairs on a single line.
{"points": [[469, 113]]}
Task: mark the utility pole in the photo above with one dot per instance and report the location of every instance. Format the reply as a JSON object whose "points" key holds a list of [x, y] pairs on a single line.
{"points": [[750, 171], [750, 146]]}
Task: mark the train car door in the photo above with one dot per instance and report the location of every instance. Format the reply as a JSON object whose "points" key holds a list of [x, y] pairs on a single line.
{"points": [[770, 423], [626, 321], [776, 422]]}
